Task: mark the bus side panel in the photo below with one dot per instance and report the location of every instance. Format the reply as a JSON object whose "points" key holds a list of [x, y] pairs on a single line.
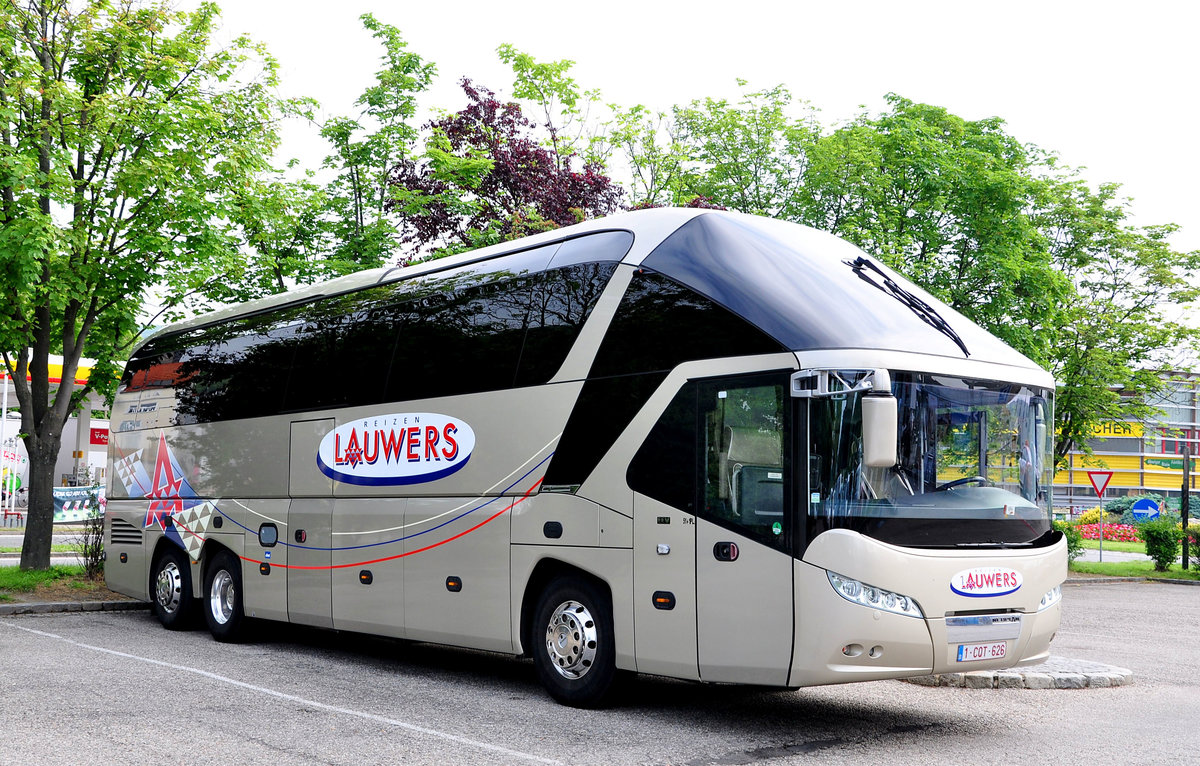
{"points": [[310, 599], [456, 575], [613, 566], [754, 588], [664, 561], [556, 519], [123, 534], [515, 435], [264, 589], [368, 566]]}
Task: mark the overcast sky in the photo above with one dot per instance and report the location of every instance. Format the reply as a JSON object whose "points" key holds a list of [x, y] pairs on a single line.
{"points": [[1109, 86]]}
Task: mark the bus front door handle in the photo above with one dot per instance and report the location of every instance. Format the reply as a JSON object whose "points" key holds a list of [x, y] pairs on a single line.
{"points": [[725, 551]]}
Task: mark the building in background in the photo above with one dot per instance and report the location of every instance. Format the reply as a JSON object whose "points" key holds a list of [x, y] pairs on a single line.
{"points": [[1145, 457], [82, 456]]}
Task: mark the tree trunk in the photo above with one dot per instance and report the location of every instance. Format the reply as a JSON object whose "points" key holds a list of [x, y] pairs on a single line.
{"points": [[39, 524]]}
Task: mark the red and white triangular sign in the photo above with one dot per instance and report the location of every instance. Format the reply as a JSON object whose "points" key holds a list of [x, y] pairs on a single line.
{"points": [[1100, 480]]}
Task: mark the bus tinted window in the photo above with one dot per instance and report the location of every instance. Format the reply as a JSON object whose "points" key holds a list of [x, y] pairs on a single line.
{"points": [[664, 467], [605, 407], [661, 323], [562, 300], [461, 338], [233, 370], [607, 246]]}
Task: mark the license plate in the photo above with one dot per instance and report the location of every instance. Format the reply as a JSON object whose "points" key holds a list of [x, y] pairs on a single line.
{"points": [[978, 652]]}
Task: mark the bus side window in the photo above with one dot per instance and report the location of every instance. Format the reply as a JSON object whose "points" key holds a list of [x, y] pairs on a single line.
{"points": [[743, 479], [717, 451], [664, 467]]}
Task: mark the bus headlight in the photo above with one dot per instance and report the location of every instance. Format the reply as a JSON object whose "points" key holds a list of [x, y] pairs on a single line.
{"points": [[1052, 597], [876, 598]]}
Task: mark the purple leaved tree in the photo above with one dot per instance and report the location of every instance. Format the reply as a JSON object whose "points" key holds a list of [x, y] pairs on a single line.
{"points": [[486, 178]]}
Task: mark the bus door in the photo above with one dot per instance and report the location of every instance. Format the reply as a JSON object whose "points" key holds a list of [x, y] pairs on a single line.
{"points": [[744, 601], [309, 534]]}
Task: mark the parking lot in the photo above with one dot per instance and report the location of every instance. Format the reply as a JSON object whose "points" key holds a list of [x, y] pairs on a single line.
{"points": [[115, 687]]}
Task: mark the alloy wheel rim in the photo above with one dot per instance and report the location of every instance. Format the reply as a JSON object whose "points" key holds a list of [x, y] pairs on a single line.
{"points": [[168, 587], [571, 640], [223, 597]]}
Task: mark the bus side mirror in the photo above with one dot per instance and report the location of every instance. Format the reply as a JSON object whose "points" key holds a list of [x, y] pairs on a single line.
{"points": [[879, 431]]}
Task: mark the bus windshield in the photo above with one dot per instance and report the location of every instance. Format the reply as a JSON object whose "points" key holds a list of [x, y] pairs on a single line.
{"points": [[974, 465]]}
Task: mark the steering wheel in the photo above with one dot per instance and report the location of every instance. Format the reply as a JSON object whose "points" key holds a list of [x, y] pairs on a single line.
{"points": [[960, 482]]}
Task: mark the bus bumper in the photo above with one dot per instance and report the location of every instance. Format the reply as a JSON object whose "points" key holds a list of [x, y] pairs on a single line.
{"points": [[839, 641]]}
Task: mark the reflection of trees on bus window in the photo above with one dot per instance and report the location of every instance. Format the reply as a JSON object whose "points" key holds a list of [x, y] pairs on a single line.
{"points": [[480, 327]]}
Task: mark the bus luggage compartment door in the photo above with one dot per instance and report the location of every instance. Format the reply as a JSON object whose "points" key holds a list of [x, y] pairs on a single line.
{"points": [[309, 534], [744, 608]]}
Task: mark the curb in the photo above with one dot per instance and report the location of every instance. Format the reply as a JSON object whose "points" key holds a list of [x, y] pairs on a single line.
{"points": [[1055, 673], [52, 607], [1104, 580]]}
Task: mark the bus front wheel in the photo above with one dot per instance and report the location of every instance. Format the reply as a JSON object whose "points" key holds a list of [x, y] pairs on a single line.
{"points": [[573, 648], [223, 598]]}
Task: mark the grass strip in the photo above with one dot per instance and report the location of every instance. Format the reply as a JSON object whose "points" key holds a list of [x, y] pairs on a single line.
{"points": [[1113, 545], [57, 548], [15, 579], [1134, 569]]}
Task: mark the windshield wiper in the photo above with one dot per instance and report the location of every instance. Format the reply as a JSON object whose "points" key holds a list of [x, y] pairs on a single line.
{"points": [[919, 307]]}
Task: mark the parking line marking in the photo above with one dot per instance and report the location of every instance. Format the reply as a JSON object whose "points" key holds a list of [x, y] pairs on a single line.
{"points": [[292, 698]]}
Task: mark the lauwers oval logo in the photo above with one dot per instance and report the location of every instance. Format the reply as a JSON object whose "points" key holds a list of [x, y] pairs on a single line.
{"points": [[402, 448], [983, 582]]}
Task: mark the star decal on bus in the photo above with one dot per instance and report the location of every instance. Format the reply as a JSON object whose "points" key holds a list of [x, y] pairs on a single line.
{"points": [[167, 488]]}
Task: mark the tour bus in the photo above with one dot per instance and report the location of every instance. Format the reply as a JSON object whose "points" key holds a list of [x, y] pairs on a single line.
{"points": [[687, 443]]}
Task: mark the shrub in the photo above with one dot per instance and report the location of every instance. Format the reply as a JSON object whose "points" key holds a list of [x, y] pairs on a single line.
{"points": [[1074, 539], [1162, 542], [1090, 516], [1120, 505]]}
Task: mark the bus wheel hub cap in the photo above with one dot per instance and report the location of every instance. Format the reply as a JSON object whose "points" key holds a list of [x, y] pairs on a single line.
{"points": [[571, 640], [168, 586]]}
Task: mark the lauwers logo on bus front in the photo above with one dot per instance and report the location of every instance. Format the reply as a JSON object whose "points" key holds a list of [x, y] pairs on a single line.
{"points": [[402, 448], [983, 582]]}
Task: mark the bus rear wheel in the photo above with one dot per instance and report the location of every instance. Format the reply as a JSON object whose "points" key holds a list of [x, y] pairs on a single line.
{"points": [[223, 598], [572, 643], [171, 590]]}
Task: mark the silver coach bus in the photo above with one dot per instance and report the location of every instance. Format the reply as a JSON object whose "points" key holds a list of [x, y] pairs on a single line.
{"points": [[690, 443]]}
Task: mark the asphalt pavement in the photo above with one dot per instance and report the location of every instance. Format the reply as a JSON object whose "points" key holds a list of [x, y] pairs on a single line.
{"points": [[115, 687]]}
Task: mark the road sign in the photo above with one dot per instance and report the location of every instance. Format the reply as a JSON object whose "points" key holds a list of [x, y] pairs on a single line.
{"points": [[1144, 509], [1100, 480]]}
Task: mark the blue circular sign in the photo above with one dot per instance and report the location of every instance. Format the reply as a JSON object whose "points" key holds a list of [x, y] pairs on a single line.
{"points": [[1144, 509]]}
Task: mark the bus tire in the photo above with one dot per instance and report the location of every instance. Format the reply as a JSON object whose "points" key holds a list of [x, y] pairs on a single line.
{"points": [[573, 644], [223, 598], [171, 596]]}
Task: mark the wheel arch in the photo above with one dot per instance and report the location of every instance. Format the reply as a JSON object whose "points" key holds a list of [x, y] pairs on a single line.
{"points": [[208, 552], [163, 545], [545, 572]]}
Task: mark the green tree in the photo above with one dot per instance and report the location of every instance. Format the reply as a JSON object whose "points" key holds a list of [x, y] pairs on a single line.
{"points": [[571, 129], [285, 223], [362, 211], [1112, 337], [654, 156], [750, 156], [945, 201], [124, 144]]}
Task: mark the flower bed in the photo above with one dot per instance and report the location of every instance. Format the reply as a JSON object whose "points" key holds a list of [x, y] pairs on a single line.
{"points": [[1120, 533]]}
